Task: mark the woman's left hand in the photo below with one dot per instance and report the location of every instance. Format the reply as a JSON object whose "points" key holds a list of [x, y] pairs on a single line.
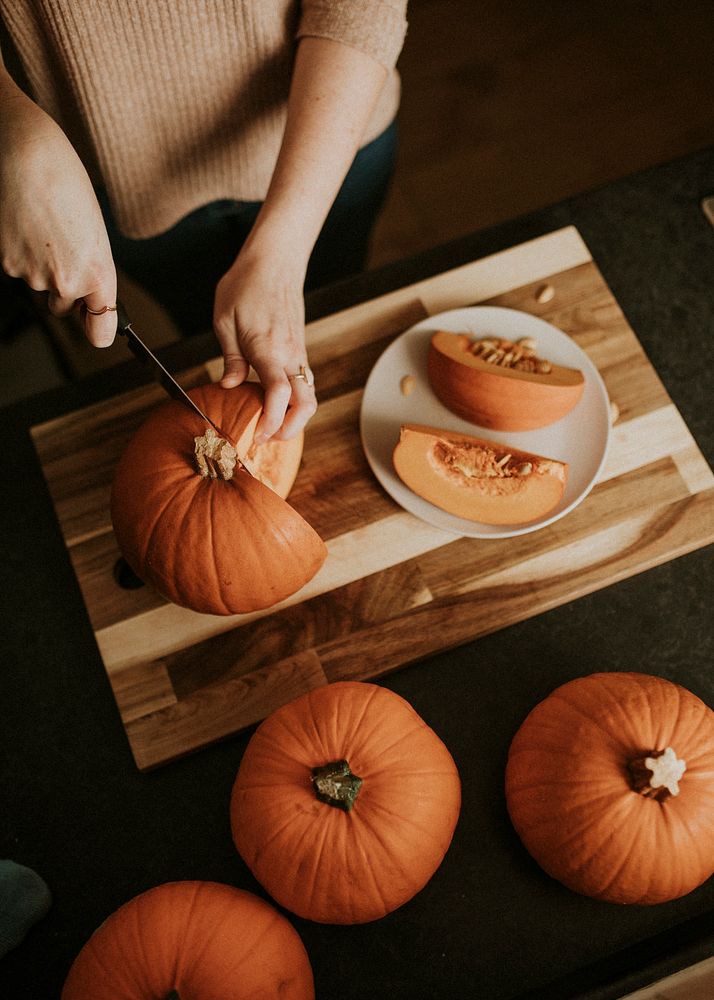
{"points": [[259, 312], [259, 319]]}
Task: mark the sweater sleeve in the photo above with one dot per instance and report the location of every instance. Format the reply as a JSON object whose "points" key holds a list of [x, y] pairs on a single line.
{"points": [[376, 27]]}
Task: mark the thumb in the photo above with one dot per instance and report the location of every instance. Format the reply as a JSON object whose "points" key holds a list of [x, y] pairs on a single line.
{"points": [[235, 370]]}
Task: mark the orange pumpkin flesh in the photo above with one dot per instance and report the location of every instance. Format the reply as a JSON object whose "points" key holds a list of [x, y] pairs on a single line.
{"points": [[215, 546], [496, 397], [477, 479], [184, 940], [345, 803], [610, 786]]}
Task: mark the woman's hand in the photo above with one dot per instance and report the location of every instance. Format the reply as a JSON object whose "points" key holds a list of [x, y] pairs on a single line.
{"points": [[259, 310], [259, 319], [52, 233]]}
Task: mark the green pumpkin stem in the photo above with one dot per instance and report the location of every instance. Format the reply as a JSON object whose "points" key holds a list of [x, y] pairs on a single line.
{"points": [[173, 995], [656, 775], [336, 785]]}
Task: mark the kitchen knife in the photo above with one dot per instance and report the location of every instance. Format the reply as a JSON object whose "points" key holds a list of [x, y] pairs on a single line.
{"points": [[137, 346]]}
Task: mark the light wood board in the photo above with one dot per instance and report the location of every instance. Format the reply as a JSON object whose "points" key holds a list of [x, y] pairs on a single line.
{"points": [[393, 589]]}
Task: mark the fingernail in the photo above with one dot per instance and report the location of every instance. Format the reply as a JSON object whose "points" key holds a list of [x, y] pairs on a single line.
{"points": [[260, 439]]}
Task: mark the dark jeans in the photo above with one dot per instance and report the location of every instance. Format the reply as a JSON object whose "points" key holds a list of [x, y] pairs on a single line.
{"points": [[181, 267]]}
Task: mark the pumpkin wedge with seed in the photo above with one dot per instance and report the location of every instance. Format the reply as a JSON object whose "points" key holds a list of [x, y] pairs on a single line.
{"points": [[477, 479], [501, 384]]}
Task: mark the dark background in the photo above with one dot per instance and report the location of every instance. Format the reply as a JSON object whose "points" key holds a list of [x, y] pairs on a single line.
{"points": [[504, 111]]}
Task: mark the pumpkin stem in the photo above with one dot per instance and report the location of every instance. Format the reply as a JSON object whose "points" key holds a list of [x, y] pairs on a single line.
{"points": [[215, 457], [657, 774], [336, 785], [173, 995]]}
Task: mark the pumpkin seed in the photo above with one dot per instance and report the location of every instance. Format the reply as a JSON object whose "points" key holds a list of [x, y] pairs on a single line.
{"points": [[545, 293]]}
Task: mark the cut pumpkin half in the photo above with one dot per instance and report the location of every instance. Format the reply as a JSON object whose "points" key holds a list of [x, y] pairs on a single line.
{"points": [[192, 522], [477, 479]]}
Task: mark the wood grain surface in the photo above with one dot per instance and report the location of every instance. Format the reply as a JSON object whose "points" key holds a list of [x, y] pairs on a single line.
{"points": [[393, 589]]}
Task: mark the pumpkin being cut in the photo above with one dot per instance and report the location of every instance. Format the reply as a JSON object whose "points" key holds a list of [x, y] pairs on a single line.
{"points": [[345, 803], [610, 786], [192, 521], [500, 384], [477, 479], [188, 940]]}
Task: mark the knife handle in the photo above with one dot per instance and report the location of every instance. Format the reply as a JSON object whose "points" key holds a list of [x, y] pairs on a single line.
{"points": [[123, 321]]}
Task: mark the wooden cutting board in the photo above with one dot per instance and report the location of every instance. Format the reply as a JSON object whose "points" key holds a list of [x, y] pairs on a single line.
{"points": [[393, 589]]}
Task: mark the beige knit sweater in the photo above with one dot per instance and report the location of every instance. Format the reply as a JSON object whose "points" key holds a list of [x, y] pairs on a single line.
{"points": [[175, 103]]}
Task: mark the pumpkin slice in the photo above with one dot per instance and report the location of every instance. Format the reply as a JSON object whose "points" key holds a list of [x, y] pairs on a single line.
{"points": [[503, 385], [477, 479], [195, 524]]}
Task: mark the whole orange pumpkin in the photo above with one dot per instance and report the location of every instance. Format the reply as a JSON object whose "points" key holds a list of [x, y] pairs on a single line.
{"points": [[345, 803], [610, 786], [184, 940], [215, 545]]}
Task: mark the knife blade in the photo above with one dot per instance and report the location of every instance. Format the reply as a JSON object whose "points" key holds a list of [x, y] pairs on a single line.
{"points": [[139, 349]]}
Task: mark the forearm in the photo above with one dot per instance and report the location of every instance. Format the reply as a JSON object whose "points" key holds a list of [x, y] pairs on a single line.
{"points": [[259, 310], [52, 234], [17, 111], [333, 93]]}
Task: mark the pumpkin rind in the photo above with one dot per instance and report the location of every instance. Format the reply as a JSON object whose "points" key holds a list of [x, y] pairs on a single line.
{"points": [[498, 398], [213, 546], [573, 802], [331, 865], [511, 499], [199, 939]]}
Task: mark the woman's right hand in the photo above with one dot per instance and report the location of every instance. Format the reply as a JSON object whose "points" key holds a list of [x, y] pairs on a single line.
{"points": [[52, 234]]}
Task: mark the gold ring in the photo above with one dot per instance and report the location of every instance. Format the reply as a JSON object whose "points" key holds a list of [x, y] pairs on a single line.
{"points": [[304, 375], [100, 312]]}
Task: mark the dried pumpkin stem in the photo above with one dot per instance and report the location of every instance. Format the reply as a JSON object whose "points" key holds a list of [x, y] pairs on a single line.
{"points": [[215, 457], [656, 775], [336, 785]]}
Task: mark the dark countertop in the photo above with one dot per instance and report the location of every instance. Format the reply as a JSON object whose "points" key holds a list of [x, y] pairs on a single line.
{"points": [[490, 925]]}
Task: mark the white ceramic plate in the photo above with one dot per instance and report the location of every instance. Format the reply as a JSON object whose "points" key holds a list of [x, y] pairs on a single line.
{"points": [[580, 438]]}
